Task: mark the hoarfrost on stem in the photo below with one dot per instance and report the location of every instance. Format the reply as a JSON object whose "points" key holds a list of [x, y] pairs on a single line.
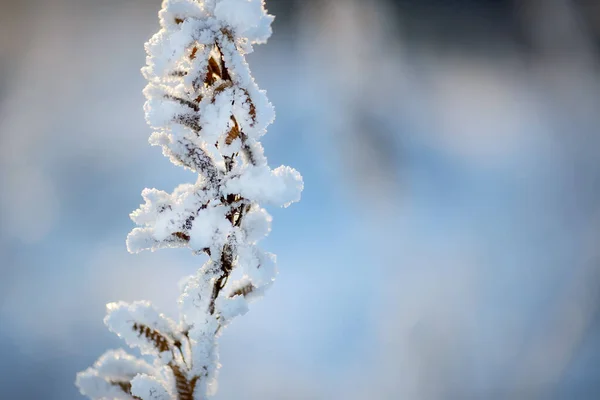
{"points": [[208, 115]]}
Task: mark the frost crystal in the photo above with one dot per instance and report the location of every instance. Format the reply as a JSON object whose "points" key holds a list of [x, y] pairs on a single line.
{"points": [[208, 114]]}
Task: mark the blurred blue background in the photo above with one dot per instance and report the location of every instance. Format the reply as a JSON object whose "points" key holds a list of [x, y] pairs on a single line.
{"points": [[447, 242]]}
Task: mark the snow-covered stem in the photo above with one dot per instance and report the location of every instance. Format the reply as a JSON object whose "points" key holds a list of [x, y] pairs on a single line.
{"points": [[208, 115]]}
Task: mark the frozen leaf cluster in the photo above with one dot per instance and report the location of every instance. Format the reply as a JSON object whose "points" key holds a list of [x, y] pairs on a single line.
{"points": [[208, 115]]}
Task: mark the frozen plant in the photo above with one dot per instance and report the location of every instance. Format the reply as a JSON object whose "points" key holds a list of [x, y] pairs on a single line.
{"points": [[208, 115]]}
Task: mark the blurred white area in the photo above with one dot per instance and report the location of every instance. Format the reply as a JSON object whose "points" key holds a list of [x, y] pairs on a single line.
{"points": [[445, 247]]}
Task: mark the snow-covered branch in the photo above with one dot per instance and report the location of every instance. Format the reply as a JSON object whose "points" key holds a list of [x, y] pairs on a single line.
{"points": [[208, 115]]}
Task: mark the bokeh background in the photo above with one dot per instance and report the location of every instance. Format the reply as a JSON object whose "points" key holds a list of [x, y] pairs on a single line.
{"points": [[447, 245]]}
